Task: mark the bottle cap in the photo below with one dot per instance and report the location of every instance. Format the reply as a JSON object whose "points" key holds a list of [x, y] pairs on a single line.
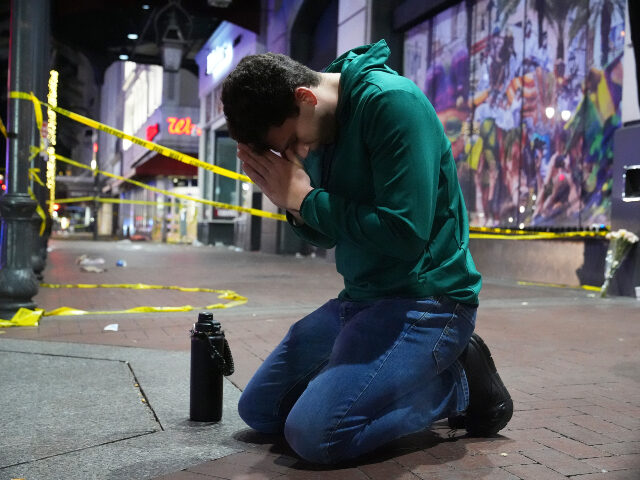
{"points": [[205, 317], [206, 323]]}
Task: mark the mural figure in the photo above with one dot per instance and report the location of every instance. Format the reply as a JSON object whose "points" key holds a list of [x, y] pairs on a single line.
{"points": [[529, 94]]}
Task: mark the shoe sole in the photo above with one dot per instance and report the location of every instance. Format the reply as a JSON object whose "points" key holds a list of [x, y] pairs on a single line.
{"points": [[500, 413]]}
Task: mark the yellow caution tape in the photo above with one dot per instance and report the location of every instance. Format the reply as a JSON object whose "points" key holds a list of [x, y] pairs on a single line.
{"points": [[38, 112], [252, 211], [493, 233], [39, 211], [133, 202], [110, 200], [514, 234], [24, 318], [3, 129], [28, 318], [74, 200], [33, 175], [591, 288], [167, 152], [35, 153]]}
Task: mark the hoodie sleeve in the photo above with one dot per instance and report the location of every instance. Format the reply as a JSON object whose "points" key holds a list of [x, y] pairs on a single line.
{"points": [[310, 235], [406, 141]]}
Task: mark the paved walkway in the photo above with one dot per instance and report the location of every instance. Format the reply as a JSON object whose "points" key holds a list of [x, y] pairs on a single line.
{"points": [[570, 360]]}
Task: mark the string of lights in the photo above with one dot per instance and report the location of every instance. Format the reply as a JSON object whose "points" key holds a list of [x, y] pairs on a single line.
{"points": [[52, 99]]}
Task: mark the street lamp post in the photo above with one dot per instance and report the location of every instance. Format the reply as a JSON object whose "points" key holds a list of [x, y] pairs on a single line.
{"points": [[41, 64], [18, 284]]}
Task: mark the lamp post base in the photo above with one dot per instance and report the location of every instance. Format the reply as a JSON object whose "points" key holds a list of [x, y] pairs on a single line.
{"points": [[18, 284]]}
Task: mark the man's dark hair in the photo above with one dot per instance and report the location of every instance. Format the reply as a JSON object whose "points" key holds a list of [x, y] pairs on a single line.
{"points": [[259, 94]]}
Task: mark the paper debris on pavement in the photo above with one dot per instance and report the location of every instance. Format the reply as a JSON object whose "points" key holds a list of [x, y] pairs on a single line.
{"points": [[112, 327], [87, 260], [92, 269]]}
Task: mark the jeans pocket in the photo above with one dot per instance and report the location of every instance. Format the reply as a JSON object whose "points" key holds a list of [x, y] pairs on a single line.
{"points": [[454, 337]]}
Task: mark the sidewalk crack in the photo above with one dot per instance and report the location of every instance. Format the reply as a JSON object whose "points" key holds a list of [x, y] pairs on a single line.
{"points": [[144, 396], [76, 450]]}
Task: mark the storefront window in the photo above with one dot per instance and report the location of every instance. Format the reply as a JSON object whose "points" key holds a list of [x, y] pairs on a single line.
{"points": [[225, 189], [155, 87], [217, 102], [207, 176], [143, 96], [208, 105]]}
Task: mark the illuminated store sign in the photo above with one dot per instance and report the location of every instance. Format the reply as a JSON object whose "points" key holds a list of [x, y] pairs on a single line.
{"points": [[152, 131], [175, 126], [219, 60], [182, 126]]}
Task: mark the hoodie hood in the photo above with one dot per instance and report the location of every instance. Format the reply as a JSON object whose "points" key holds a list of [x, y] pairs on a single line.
{"points": [[355, 64]]}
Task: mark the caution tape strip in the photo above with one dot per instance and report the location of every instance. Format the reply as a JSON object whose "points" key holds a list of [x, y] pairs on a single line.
{"points": [[484, 232], [33, 175], [3, 129], [110, 200], [252, 211], [531, 236], [167, 152], [513, 234], [590, 288], [25, 317]]}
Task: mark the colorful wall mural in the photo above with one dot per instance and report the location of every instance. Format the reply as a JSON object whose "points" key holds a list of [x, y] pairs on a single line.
{"points": [[529, 94]]}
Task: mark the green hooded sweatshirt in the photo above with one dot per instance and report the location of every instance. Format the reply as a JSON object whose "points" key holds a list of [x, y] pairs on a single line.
{"points": [[386, 192]]}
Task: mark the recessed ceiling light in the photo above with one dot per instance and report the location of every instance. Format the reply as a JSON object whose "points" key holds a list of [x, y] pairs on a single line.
{"points": [[146, 7], [123, 56], [132, 36]]}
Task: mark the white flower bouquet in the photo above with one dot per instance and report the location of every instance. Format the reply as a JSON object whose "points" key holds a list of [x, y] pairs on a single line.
{"points": [[620, 242]]}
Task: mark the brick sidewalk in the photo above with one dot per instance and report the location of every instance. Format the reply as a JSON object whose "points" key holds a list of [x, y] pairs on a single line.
{"points": [[569, 359]]}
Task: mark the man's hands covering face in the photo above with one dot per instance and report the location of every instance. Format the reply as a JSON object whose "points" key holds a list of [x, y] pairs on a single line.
{"points": [[282, 179]]}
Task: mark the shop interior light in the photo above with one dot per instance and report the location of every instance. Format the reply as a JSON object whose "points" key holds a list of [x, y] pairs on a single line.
{"points": [[565, 115], [146, 6], [123, 56], [550, 112], [132, 36]]}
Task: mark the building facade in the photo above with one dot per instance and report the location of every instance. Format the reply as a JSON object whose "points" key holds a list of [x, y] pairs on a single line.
{"points": [[149, 103], [312, 32], [220, 54], [530, 98]]}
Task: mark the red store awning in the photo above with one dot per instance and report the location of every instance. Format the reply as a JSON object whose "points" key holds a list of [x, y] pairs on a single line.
{"points": [[159, 165]]}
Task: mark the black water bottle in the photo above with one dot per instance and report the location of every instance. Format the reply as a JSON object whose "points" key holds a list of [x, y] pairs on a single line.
{"points": [[210, 360]]}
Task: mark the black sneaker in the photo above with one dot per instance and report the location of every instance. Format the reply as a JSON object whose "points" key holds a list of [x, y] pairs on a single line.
{"points": [[490, 405]]}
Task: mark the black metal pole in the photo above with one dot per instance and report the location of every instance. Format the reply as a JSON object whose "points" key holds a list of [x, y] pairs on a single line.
{"points": [[18, 284], [95, 207], [41, 60]]}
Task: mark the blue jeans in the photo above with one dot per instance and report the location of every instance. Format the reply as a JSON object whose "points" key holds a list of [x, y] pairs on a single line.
{"points": [[352, 376]]}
